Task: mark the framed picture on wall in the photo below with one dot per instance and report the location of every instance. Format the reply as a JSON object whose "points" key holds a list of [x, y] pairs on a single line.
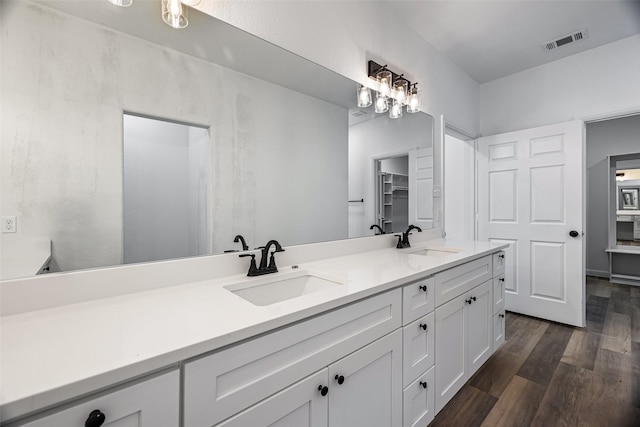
{"points": [[629, 198]]}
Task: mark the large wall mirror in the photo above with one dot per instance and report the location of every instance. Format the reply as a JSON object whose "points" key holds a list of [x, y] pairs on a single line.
{"points": [[627, 200], [274, 145]]}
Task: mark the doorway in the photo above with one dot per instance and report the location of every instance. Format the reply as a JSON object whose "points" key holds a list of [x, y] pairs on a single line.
{"points": [[392, 193]]}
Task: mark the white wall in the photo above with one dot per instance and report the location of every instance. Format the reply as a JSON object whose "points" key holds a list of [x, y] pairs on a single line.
{"points": [[601, 80], [344, 35], [62, 116], [606, 138], [407, 133]]}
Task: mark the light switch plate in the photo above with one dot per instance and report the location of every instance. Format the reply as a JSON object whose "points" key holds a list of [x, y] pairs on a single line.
{"points": [[9, 224]]}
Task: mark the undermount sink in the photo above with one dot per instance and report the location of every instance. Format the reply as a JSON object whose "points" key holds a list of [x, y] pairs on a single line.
{"points": [[279, 287], [439, 252]]}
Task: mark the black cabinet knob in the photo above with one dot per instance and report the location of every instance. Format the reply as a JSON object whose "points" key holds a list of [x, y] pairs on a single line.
{"points": [[501, 279], [468, 301], [423, 384], [501, 256], [473, 298], [323, 390], [501, 315], [96, 419], [340, 379], [423, 326], [423, 288]]}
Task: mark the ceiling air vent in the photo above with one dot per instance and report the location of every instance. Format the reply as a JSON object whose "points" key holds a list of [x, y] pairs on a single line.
{"points": [[570, 38]]}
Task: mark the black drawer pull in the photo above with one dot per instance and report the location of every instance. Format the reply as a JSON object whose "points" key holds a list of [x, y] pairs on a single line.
{"points": [[423, 326], [96, 419], [423, 384], [501, 315], [340, 379], [468, 301], [323, 390], [423, 288], [501, 256], [473, 298], [501, 279]]}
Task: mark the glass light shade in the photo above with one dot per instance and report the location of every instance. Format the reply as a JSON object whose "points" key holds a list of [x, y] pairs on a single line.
{"points": [[174, 13], [400, 88], [395, 112], [384, 82], [382, 104], [364, 97], [414, 101], [190, 2], [122, 3]]}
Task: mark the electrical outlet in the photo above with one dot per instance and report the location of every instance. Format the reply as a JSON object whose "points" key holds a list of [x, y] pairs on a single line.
{"points": [[8, 224]]}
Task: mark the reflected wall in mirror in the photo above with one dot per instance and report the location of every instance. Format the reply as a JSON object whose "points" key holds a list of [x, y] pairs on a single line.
{"points": [[627, 207], [282, 162]]}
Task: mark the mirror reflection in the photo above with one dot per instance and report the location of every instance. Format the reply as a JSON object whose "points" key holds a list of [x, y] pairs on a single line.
{"points": [[627, 205], [127, 143]]}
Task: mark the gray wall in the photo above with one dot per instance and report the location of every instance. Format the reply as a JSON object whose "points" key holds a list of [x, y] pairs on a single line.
{"points": [[606, 138]]}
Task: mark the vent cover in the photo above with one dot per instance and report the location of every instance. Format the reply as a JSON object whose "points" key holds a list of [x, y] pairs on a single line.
{"points": [[569, 38], [358, 113]]}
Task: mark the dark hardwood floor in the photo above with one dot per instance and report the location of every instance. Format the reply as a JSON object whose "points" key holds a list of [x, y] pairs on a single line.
{"points": [[548, 374]]}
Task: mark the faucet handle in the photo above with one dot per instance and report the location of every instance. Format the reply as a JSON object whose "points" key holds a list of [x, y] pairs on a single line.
{"points": [[253, 268], [399, 245]]}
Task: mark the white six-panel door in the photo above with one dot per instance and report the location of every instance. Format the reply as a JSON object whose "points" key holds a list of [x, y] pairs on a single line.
{"points": [[421, 187], [530, 195]]}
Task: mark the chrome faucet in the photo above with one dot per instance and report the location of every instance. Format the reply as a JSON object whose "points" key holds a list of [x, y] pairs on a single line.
{"points": [[264, 268], [403, 240]]}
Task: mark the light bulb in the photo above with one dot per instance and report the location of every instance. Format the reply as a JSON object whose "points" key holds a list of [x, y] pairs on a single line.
{"points": [[400, 90], [382, 105], [384, 82], [364, 97], [174, 13], [414, 101], [396, 110], [122, 3]]}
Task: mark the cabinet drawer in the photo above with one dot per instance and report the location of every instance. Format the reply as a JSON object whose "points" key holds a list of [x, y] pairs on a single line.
{"points": [[458, 280], [417, 300], [224, 383], [419, 400], [498, 329], [418, 341], [152, 403], [498, 263], [498, 293]]}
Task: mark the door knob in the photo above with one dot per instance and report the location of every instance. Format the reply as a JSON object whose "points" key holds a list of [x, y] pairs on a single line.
{"points": [[574, 233], [323, 390], [96, 419], [340, 379]]}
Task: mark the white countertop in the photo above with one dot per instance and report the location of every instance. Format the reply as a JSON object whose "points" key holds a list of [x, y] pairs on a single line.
{"points": [[51, 355]]}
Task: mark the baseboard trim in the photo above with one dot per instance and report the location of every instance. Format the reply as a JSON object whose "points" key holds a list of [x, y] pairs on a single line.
{"points": [[598, 273]]}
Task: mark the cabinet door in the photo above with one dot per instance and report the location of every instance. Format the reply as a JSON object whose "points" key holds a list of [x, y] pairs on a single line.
{"points": [[371, 390], [418, 346], [498, 294], [498, 263], [418, 401], [480, 325], [451, 349], [498, 330], [301, 405], [153, 403]]}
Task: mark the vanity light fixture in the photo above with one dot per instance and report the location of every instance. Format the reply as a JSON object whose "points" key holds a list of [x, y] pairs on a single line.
{"points": [[364, 97], [393, 89]]}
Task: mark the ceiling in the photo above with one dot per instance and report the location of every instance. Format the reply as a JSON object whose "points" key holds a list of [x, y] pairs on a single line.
{"points": [[493, 39]]}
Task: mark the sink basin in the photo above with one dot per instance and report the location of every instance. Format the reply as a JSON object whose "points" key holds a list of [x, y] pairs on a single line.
{"points": [[279, 287], [439, 252]]}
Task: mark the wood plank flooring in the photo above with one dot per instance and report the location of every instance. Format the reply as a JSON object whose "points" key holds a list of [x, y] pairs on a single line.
{"points": [[547, 374]]}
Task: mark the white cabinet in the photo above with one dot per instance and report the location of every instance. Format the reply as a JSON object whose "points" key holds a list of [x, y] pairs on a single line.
{"points": [[458, 280], [498, 293], [304, 404], [498, 329], [226, 382], [418, 401], [463, 340], [418, 347], [363, 388], [498, 263], [152, 403], [371, 390]]}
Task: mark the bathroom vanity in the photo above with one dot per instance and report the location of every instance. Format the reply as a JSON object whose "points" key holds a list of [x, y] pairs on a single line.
{"points": [[387, 342]]}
